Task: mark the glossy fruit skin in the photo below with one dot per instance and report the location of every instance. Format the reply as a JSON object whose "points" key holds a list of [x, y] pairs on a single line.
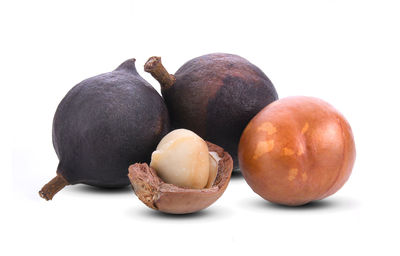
{"points": [[216, 95], [104, 124], [297, 150]]}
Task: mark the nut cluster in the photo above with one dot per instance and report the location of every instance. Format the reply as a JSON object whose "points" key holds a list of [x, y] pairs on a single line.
{"points": [[290, 151]]}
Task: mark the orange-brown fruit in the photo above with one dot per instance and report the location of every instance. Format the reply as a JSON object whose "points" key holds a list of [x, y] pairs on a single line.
{"points": [[297, 150]]}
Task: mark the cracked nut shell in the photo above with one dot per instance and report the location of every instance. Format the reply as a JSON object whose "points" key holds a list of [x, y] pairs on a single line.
{"points": [[168, 198]]}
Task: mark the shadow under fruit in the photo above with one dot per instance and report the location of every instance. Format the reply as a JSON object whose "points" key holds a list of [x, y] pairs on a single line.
{"points": [[214, 95], [104, 124]]}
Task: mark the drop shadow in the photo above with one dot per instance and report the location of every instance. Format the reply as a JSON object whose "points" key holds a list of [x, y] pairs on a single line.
{"points": [[236, 175], [322, 204], [194, 215], [325, 204], [100, 190], [145, 212]]}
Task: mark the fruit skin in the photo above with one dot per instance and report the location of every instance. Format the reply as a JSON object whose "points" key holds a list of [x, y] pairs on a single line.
{"points": [[216, 95], [297, 150], [104, 124]]}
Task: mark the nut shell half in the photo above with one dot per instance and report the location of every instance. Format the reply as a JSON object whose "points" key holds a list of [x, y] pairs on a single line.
{"points": [[158, 195]]}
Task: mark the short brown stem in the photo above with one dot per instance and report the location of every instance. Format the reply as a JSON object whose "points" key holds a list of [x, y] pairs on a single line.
{"points": [[51, 188], [157, 70]]}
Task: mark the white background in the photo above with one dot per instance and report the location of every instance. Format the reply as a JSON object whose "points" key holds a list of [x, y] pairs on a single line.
{"points": [[345, 52]]}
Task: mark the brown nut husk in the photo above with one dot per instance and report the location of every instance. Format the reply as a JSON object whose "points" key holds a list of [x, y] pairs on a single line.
{"points": [[168, 198]]}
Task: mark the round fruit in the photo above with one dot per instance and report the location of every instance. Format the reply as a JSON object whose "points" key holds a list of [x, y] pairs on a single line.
{"points": [[214, 95], [104, 124], [297, 150]]}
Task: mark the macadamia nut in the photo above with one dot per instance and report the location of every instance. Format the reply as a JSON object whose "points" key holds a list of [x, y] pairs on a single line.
{"points": [[213, 170], [182, 159]]}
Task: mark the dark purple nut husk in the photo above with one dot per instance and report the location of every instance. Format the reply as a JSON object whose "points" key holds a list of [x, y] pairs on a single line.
{"points": [[215, 96], [104, 124]]}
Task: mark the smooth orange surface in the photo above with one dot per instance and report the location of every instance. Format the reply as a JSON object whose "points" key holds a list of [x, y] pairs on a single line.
{"points": [[296, 150]]}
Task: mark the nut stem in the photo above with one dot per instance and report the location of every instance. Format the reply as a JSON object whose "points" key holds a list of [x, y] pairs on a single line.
{"points": [[158, 71], [51, 188]]}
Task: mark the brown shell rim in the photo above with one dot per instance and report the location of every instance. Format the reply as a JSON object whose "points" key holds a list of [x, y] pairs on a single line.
{"points": [[149, 187]]}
